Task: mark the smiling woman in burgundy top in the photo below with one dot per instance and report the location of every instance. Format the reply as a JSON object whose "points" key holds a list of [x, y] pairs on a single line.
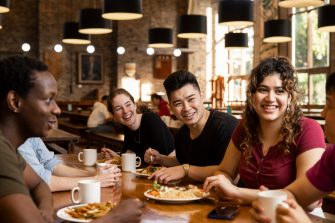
{"points": [[273, 144]]}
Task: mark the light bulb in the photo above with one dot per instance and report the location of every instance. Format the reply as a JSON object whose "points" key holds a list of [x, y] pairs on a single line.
{"points": [[120, 50], [58, 48], [25, 47], [90, 49], [150, 51], [177, 52]]}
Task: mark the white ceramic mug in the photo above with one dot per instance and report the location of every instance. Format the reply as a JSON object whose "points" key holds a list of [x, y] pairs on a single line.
{"points": [[269, 200], [129, 162], [88, 192], [88, 156]]}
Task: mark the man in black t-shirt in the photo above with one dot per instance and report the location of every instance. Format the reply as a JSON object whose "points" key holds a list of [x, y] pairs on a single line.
{"points": [[201, 142]]}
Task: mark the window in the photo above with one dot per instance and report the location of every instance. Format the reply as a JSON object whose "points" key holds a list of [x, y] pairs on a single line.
{"points": [[310, 55], [231, 63]]}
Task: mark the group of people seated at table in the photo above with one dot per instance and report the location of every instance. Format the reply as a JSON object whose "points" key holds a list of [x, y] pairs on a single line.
{"points": [[273, 147]]}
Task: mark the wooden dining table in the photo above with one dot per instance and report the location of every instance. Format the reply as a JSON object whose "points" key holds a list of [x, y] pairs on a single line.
{"points": [[132, 186]]}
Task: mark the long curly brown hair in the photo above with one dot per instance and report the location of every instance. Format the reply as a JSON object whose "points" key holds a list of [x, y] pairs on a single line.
{"points": [[291, 122]]}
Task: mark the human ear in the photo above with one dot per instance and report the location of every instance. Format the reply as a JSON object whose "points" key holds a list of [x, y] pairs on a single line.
{"points": [[13, 101]]}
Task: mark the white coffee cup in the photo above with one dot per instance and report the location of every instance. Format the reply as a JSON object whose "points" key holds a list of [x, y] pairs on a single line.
{"points": [[88, 156], [88, 192], [129, 162], [269, 200]]}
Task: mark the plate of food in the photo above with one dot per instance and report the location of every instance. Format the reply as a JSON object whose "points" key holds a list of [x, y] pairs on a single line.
{"points": [[84, 212], [146, 172], [175, 194]]}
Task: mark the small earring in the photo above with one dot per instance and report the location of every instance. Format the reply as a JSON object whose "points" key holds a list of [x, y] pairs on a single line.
{"points": [[288, 109]]}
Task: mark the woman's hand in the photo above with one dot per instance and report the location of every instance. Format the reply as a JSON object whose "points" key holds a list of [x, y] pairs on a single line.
{"points": [[108, 153], [222, 185], [291, 214], [152, 156], [109, 177], [166, 175], [257, 213]]}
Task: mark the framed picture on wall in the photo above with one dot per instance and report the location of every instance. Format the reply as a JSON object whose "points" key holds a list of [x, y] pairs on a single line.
{"points": [[90, 69], [162, 66]]}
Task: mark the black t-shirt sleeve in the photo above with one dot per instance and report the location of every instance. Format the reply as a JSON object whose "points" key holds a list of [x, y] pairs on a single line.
{"points": [[161, 138]]}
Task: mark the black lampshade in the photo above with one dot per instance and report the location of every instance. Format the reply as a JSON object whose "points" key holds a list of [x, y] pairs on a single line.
{"points": [[236, 13], [326, 18], [299, 3], [91, 22], [71, 34], [4, 6], [236, 40], [277, 31], [160, 38], [192, 26], [122, 9]]}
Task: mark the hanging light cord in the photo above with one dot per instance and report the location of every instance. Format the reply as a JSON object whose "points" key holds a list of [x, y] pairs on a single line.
{"points": [[304, 11]]}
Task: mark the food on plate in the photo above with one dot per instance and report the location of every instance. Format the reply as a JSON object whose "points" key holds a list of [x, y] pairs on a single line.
{"points": [[187, 192], [115, 160], [90, 211], [149, 170]]}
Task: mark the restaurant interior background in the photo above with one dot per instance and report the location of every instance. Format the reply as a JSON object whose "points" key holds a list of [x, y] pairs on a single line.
{"points": [[222, 72]]}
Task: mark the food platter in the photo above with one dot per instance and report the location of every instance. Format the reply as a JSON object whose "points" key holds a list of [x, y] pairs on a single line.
{"points": [[146, 172], [85, 212], [172, 200], [62, 213], [175, 194]]}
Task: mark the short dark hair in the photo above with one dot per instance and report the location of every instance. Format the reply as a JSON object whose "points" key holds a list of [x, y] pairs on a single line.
{"points": [[156, 96], [330, 83], [178, 80], [16, 73], [104, 98]]}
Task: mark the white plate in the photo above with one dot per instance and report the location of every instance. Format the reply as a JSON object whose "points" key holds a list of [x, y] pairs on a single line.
{"points": [[137, 173], [173, 201], [61, 213]]}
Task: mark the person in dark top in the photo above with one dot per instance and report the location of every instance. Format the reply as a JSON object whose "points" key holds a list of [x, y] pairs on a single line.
{"points": [[161, 104], [28, 109], [201, 142], [141, 131]]}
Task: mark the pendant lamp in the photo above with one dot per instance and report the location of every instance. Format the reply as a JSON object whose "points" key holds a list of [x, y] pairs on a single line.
{"points": [[192, 26], [326, 18], [71, 34], [236, 40], [91, 22], [236, 13], [4, 6], [277, 31], [122, 9], [160, 38], [299, 3]]}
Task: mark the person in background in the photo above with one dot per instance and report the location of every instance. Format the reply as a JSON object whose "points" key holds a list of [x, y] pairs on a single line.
{"points": [[158, 101], [58, 176], [318, 181], [97, 121], [273, 144], [141, 131], [201, 142], [28, 109]]}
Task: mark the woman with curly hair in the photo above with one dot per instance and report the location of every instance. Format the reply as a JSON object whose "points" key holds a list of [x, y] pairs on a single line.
{"points": [[274, 143]]}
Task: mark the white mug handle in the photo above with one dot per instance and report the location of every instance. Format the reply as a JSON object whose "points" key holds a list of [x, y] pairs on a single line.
{"points": [[138, 161], [79, 156], [72, 195]]}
